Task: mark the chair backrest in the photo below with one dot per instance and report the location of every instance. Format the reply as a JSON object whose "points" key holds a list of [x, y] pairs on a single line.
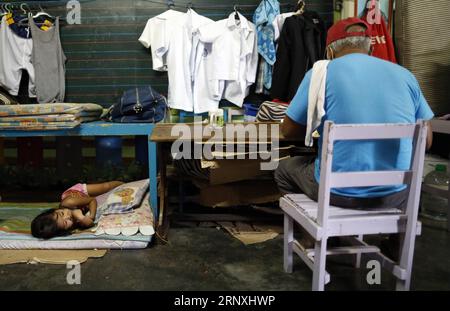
{"points": [[412, 177]]}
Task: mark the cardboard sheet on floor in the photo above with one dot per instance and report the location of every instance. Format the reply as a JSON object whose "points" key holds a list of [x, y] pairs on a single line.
{"points": [[56, 257], [248, 233]]}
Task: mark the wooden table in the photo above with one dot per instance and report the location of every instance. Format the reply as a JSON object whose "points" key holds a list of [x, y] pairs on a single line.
{"points": [[166, 134]]}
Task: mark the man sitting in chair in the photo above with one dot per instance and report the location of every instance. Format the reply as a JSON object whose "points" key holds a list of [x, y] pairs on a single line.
{"points": [[358, 89]]}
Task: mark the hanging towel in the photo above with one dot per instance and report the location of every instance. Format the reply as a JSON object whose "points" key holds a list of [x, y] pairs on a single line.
{"points": [[263, 18], [316, 99]]}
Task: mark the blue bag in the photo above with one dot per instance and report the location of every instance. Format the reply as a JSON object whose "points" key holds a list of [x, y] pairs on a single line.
{"points": [[140, 105]]}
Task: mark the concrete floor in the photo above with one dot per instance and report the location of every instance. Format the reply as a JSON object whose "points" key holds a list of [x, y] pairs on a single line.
{"points": [[210, 259]]}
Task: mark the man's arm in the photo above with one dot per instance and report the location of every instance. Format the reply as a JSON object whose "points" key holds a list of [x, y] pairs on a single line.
{"points": [[291, 129]]}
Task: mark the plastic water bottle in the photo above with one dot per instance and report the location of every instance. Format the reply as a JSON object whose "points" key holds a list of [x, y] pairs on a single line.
{"points": [[435, 207]]}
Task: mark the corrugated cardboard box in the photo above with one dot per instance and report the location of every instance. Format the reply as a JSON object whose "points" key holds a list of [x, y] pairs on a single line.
{"points": [[238, 193]]}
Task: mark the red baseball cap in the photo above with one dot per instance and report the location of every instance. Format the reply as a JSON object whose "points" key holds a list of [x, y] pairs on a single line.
{"points": [[339, 30]]}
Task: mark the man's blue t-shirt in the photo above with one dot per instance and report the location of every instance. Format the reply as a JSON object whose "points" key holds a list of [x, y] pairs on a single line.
{"points": [[365, 89]]}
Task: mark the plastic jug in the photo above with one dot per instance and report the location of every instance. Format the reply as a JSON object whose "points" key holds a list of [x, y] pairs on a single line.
{"points": [[434, 207]]}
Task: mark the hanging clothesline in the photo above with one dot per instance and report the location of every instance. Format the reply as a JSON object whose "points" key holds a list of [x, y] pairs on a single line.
{"points": [[176, 4], [25, 9]]}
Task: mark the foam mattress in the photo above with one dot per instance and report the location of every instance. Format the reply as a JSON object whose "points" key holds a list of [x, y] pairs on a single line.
{"points": [[15, 224]]}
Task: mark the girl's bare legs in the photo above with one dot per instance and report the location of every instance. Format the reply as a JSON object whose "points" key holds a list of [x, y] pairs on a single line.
{"points": [[99, 189]]}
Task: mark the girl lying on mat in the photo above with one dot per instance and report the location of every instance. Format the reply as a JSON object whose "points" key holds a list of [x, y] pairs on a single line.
{"points": [[77, 210]]}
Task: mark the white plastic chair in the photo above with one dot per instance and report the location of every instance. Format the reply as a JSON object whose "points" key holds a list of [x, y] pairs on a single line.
{"points": [[323, 221]]}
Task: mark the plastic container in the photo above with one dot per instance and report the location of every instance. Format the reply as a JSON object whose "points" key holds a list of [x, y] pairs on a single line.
{"points": [[434, 207], [430, 163]]}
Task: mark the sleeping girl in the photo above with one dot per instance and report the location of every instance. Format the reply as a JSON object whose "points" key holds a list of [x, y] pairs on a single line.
{"points": [[77, 210]]}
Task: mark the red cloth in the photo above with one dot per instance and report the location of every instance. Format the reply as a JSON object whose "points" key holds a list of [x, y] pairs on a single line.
{"points": [[381, 40]]}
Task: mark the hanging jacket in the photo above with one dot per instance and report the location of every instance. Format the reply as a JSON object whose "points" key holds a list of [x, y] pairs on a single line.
{"points": [[301, 44]]}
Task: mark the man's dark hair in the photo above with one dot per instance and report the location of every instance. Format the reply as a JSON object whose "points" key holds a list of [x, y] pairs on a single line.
{"points": [[44, 226]]}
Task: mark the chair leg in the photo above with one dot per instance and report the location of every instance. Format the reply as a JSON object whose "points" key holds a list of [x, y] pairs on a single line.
{"points": [[288, 243], [320, 256], [358, 256], [407, 242]]}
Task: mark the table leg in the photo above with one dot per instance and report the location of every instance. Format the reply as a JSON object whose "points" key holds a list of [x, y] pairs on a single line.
{"points": [[163, 224], [162, 183], [153, 176]]}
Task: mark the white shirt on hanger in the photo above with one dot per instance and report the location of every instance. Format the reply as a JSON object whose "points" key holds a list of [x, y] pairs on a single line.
{"points": [[155, 35], [164, 35], [176, 48], [202, 98], [233, 61]]}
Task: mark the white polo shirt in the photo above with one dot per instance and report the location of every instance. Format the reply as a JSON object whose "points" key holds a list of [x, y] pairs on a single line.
{"points": [[233, 60], [156, 36], [176, 48]]}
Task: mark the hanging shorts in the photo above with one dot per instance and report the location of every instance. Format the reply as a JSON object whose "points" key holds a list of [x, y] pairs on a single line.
{"points": [[15, 57]]}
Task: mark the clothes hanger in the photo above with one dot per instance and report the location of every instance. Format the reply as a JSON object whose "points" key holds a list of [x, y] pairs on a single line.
{"points": [[24, 22], [22, 7], [8, 8], [5, 9], [300, 7], [236, 14], [42, 13], [3, 12], [170, 4]]}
